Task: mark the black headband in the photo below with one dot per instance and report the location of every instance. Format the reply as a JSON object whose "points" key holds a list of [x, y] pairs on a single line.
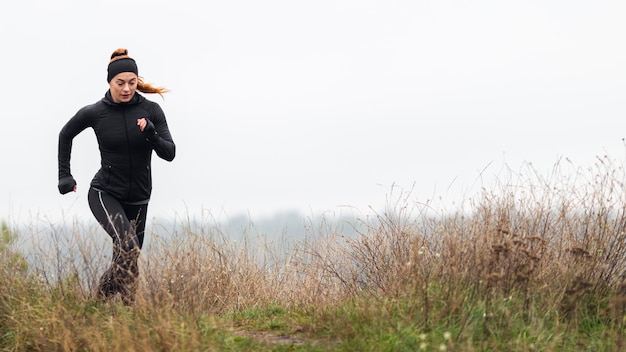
{"points": [[122, 65]]}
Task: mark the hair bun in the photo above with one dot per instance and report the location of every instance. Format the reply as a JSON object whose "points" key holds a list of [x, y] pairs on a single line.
{"points": [[119, 52]]}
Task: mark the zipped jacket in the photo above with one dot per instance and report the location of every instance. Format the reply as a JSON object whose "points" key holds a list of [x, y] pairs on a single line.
{"points": [[125, 152]]}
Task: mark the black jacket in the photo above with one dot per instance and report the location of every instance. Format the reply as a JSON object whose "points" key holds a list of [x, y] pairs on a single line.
{"points": [[125, 151]]}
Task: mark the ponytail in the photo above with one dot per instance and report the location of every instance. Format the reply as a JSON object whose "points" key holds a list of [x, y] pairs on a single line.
{"points": [[149, 88]]}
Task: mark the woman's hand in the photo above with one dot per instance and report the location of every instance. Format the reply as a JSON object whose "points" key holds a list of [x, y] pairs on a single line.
{"points": [[67, 184], [147, 128], [142, 122]]}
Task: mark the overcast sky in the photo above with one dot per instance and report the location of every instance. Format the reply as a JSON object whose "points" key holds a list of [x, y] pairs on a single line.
{"points": [[314, 105]]}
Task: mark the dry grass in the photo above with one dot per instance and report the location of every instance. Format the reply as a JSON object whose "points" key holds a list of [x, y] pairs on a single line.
{"points": [[533, 261]]}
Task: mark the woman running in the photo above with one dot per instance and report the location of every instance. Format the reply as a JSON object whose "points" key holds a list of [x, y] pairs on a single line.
{"points": [[128, 128]]}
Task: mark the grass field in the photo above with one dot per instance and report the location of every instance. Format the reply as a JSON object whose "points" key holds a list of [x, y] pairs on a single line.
{"points": [[534, 262]]}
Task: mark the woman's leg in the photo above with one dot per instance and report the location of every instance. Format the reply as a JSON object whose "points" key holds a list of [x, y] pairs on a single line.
{"points": [[121, 275], [137, 216]]}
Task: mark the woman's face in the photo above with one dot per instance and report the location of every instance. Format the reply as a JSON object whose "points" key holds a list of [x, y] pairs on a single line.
{"points": [[123, 87]]}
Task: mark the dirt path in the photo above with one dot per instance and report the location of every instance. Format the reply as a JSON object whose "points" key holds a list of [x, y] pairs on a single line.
{"points": [[268, 337]]}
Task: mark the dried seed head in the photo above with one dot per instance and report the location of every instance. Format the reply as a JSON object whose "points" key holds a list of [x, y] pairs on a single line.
{"points": [[577, 251]]}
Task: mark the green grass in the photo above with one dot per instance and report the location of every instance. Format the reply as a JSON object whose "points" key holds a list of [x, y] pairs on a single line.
{"points": [[52, 322]]}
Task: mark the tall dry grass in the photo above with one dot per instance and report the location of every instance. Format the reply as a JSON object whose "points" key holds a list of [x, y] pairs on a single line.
{"points": [[555, 242], [542, 250]]}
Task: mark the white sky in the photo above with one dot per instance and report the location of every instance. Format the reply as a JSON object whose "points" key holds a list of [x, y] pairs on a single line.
{"points": [[314, 105]]}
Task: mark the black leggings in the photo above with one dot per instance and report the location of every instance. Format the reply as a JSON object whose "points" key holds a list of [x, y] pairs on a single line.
{"points": [[125, 224]]}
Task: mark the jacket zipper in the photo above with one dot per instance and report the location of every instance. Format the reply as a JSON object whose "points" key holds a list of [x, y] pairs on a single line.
{"points": [[130, 160]]}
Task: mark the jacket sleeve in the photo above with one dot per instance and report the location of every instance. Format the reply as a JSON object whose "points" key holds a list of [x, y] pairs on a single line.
{"points": [[163, 144], [72, 128]]}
